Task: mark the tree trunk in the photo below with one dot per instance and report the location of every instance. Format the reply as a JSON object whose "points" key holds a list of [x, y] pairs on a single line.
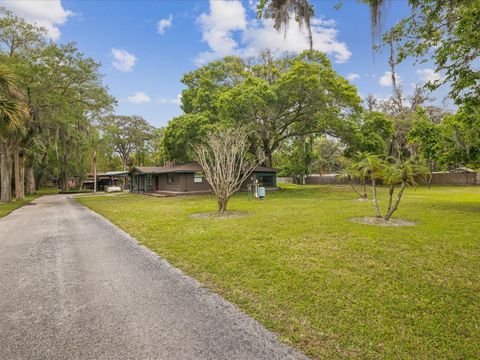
{"points": [[353, 187], [39, 176], [268, 159], [6, 192], [430, 174], [375, 199], [22, 174], [30, 181], [365, 196], [124, 163], [222, 205], [399, 197], [390, 197], [64, 173], [19, 169], [94, 171]]}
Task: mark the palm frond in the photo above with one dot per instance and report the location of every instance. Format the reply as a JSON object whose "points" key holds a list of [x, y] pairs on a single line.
{"points": [[13, 115]]}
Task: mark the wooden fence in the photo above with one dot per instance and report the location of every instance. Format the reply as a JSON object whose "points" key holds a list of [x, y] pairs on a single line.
{"points": [[327, 179], [285, 180], [446, 178], [438, 178]]}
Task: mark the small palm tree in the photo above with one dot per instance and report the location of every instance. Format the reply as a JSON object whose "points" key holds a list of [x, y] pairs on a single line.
{"points": [[352, 172], [371, 167], [403, 173], [392, 175], [392, 172]]}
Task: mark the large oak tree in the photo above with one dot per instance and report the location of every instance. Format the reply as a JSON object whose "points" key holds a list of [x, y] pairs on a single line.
{"points": [[276, 98]]}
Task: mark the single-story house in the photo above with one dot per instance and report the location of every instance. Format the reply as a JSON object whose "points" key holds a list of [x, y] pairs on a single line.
{"points": [[183, 179]]}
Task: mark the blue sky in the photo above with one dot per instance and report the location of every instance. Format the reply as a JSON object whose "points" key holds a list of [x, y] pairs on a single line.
{"points": [[146, 46]]}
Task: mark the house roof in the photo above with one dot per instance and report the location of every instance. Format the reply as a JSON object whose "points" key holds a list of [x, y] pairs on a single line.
{"points": [[114, 173], [191, 167], [462, 169], [265, 169], [178, 168]]}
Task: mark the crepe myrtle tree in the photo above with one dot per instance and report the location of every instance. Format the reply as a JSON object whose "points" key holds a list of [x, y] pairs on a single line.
{"points": [[226, 162]]}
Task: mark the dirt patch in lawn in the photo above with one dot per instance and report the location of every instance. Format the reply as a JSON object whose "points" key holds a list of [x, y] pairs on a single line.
{"points": [[216, 215], [383, 222]]}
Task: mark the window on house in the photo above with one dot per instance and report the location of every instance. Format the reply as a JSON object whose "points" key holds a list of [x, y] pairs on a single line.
{"points": [[170, 178], [198, 177]]}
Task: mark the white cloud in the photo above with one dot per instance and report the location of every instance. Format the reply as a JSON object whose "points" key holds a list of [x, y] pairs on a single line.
{"points": [[139, 97], [124, 61], [228, 18], [429, 75], [261, 35], [217, 27], [163, 24], [49, 14], [386, 79], [352, 77], [176, 101], [252, 4]]}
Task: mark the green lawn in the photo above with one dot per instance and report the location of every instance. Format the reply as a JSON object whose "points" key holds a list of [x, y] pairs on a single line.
{"points": [[7, 208], [330, 287]]}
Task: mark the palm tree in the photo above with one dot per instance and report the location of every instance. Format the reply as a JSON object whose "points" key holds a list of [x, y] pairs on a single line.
{"points": [[392, 172], [403, 173], [12, 116], [13, 112], [371, 166], [392, 175], [352, 172]]}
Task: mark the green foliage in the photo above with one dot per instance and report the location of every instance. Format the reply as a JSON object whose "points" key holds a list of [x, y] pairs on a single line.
{"points": [[278, 99], [64, 94], [155, 154], [125, 135], [443, 30], [207, 83], [296, 159], [448, 33], [182, 133], [460, 144], [305, 155], [351, 172], [371, 166], [373, 135], [426, 136], [327, 155], [391, 172]]}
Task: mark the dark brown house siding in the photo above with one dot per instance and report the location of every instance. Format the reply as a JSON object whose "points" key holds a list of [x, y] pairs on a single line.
{"points": [[181, 182], [191, 185], [176, 185], [181, 179]]}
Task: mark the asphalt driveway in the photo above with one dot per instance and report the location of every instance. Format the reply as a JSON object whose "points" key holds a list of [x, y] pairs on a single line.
{"points": [[74, 286]]}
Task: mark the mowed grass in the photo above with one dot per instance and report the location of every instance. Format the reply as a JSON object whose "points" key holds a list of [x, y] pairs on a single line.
{"points": [[7, 208], [330, 287]]}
